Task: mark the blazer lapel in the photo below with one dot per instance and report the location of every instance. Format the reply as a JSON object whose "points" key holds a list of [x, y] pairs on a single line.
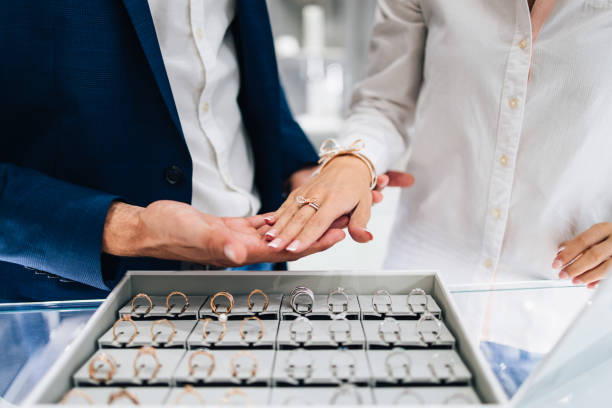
{"points": [[140, 15]]}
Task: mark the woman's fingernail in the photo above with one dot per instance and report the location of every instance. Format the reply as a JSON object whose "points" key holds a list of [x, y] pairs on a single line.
{"points": [[271, 234], [563, 275], [370, 236], [275, 244], [230, 253], [293, 246], [269, 220], [577, 281], [557, 264]]}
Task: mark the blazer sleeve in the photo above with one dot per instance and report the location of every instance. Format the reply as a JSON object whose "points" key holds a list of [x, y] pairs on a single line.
{"points": [[297, 151], [51, 225]]}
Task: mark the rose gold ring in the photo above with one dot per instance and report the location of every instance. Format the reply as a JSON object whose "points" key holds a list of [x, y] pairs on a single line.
{"points": [[104, 358], [155, 334], [142, 296], [125, 318], [311, 202], [177, 293], [226, 295], [205, 353], [75, 392], [205, 332], [246, 319], [236, 391], [123, 393], [243, 353], [189, 389], [261, 292], [146, 350]]}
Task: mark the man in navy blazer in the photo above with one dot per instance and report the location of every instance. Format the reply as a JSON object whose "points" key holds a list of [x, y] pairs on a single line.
{"points": [[95, 172]]}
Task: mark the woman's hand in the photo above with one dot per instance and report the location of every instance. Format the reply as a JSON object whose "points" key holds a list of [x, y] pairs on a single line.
{"points": [[342, 187], [588, 257]]}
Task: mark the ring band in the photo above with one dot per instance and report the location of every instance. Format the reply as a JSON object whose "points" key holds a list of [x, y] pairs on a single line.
{"points": [[417, 292], [385, 293], [293, 332], [291, 367], [123, 393], [396, 330], [244, 353], [428, 316], [301, 291], [406, 364], [189, 389], [235, 391], [201, 353], [261, 292], [226, 295], [105, 358], [163, 321], [146, 350], [142, 296], [75, 392], [333, 364], [246, 319], [125, 318], [177, 293], [205, 332], [330, 305]]}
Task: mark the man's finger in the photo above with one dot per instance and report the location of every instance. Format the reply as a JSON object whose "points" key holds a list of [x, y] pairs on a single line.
{"points": [[224, 246], [382, 182], [594, 275], [359, 222], [377, 197], [400, 179], [591, 258], [571, 249], [341, 222]]}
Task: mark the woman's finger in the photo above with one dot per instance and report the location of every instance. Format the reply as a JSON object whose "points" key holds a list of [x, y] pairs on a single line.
{"points": [[286, 237], [593, 285], [315, 228], [377, 197], [359, 222], [571, 249], [594, 275], [282, 219], [591, 258]]}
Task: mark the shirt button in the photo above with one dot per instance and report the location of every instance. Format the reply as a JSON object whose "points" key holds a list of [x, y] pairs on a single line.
{"points": [[489, 263], [503, 160], [205, 107], [173, 175], [199, 33], [523, 43], [514, 102], [496, 212]]}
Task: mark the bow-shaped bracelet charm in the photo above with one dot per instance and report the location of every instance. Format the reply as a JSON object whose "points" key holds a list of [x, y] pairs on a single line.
{"points": [[331, 149]]}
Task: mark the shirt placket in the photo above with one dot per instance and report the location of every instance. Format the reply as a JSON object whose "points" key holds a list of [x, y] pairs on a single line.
{"points": [[508, 136]]}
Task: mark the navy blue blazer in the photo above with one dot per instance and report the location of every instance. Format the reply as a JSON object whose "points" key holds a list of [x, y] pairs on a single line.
{"points": [[87, 117]]}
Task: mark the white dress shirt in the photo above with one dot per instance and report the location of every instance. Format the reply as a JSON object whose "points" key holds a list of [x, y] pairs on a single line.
{"points": [[506, 166], [198, 52]]}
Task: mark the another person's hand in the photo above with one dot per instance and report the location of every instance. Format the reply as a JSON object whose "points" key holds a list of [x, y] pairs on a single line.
{"points": [[177, 231], [588, 257], [342, 188]]}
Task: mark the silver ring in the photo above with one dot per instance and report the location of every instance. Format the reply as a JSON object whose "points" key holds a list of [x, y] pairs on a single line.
{"points": [[396, 330], [418, 328], [333, 364], [385, 293], [291, 367], [417, 292], [346, 389], [449, 364], [346, 331], [408, 393], [301, 291], [293, 333], [330, 305], [406, 364]]}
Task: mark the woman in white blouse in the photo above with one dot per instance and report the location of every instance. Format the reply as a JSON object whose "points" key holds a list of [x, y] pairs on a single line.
{"points": [[506, 107]]}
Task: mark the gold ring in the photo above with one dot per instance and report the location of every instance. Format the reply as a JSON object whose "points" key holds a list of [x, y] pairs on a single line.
{"points": [[163, 321], [226, 295], [311, 202], [261, 292], [236, 391], [105, 358], [125, 318], [123, 393], [75, 392], [144, 296], [146, 350], [205, 333], [246, 319], [188, 389], [239, 354], [202, 353], [177, 293]]}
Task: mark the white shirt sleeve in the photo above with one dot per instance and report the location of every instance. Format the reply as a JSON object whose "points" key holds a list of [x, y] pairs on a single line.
{"points": [[383, 105]]}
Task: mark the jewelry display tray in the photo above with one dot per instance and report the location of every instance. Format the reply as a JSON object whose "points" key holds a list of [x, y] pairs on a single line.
{"points": [[59, 380]]}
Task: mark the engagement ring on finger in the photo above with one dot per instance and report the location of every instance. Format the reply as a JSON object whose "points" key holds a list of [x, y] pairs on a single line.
{"points": [[311, 202]]}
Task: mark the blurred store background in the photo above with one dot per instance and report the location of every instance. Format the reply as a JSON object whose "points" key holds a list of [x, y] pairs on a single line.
{"points": [[322, 53]]}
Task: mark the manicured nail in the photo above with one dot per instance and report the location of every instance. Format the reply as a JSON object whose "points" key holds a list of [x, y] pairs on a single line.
{"points": [[275, 244], [293, 246], [577, 281], [563, 275], [269, 220], [557, 264], [271, 234], [230, 253], [593, 285], [370, 236]]}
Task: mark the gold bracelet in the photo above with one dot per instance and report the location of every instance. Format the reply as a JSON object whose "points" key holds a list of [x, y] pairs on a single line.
{"points": [[330, 149]]}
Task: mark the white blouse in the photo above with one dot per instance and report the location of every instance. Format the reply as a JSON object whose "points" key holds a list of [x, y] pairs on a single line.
{"points": [[507, 166]]}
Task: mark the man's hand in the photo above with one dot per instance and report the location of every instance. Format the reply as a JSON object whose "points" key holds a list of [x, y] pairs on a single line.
{"points": [[588, 257], [177, 231]]}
